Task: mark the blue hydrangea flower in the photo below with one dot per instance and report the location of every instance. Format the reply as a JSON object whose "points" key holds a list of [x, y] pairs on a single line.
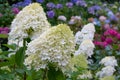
{"points": [[40, 1], [50, 14], [74, 1]]}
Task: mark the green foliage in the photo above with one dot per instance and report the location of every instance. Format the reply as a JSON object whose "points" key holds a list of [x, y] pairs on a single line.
{"points": [[7, 15], [54, 74]]}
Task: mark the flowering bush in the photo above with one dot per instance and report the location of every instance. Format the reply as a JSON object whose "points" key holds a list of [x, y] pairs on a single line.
{"points": [[82, 45]]}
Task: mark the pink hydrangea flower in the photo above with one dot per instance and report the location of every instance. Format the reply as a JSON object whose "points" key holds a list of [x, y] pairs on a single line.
{"points": [[104, 44], [118, 36], [109, 40], [106, 26], [15, 10], [110, 32], [97, 43], [102, 18], [4, 30], [102, 38]]}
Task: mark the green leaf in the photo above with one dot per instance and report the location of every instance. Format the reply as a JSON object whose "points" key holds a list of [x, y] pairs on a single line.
{"points": [[55, 75], [115, 46], [3, 36], [19, 56], [13, 46], [29, 78], [8, 62]]}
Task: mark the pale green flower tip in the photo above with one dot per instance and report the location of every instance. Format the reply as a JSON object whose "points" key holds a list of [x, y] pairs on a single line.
{"points": [[108, 78], [33, 6], [80, 61], [64, 28]]}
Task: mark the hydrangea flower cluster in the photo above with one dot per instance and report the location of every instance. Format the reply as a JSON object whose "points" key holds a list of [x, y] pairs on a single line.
{"points": [[4, 30], [84, 39], [94, 9], [109, 37], [86, 47], [53, 46], [106, 71], [87, 32], [109, 62], [75, 20], [29, 22]]}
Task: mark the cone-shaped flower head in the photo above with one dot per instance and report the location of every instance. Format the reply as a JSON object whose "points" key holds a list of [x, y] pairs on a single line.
{"points": [[109, 61], [31, 21], [86, 47], [87, 32], [54, 46]]}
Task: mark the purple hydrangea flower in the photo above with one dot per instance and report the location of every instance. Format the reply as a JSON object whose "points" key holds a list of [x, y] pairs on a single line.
{"points": [[81, 3], [50, 5], [22, 4], [69, 4], [50, 14], [96, 7], [113, 18], [59, 6], [74, 1], [93, 9], [40, 1]]}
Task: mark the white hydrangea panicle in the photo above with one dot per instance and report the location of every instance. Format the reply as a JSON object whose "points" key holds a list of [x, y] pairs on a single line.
{"points": [[106, 71], [109, 61], [31, 21], [54, 46], [89, 28], [87, 32], [86, 47]]}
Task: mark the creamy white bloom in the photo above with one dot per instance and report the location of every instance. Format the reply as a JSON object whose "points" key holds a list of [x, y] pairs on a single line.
{"points": [[54, 46], [86, 47], [109, 61], [31, 21], [87, 32], [62, 18], [89, 28], [106, 71]]}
